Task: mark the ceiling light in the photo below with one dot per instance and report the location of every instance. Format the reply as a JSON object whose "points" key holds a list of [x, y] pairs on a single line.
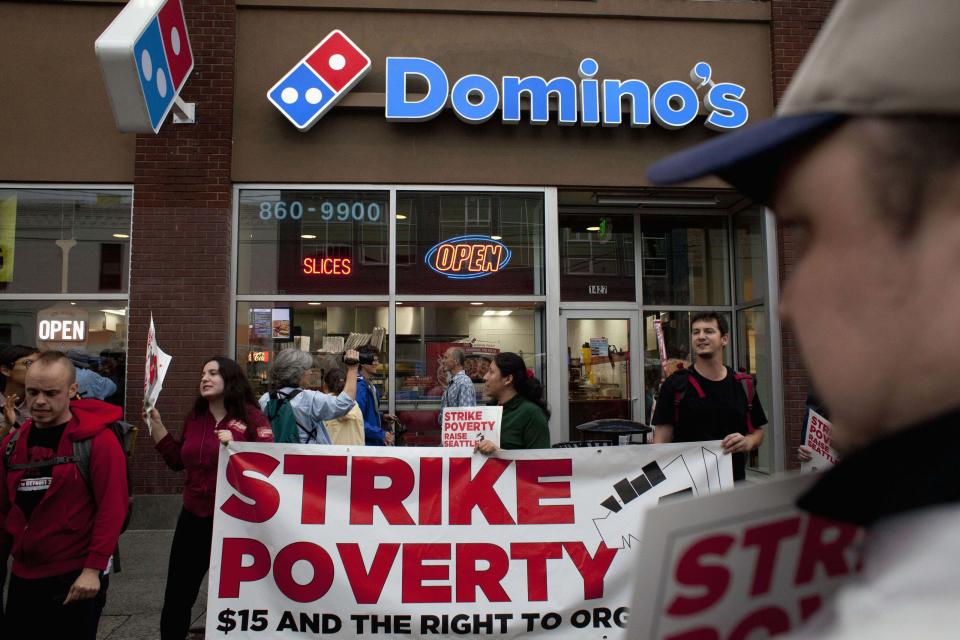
{"points": [[489, 312], [593, 228], [496, 237], [399, 303], [308, 236], [477, 304], [710, 201], [122, 236], [73, 303], [314, 304], [400, 216], [505, 312], [116, 312]]}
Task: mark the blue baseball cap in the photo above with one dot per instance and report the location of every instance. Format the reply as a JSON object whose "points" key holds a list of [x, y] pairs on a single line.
{"points": [[871, 58]]}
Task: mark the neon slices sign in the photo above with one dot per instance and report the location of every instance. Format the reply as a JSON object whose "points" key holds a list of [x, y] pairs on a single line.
{"points": [[468, 257]]}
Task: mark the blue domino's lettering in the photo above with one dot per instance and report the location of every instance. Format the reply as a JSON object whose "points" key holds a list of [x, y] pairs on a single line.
{"points": [[475, 98], [398, 106], [613, 94], [468, 110], [589, 92], [539, 91], [663, 111], [727, 110]]}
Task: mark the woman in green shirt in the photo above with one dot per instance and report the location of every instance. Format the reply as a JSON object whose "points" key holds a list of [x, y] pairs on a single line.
{"points": [[525, 413]]}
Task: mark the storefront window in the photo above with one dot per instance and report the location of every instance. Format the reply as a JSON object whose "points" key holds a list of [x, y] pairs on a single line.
{"points": [[324, 330], [64, 241], [596, 257], [685, 260], [425, 332], [93, 334], [751, 262], [313, 241], [470, 243]]}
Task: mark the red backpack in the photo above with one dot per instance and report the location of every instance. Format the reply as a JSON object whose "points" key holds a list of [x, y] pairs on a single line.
{"points": [[745, 379]]}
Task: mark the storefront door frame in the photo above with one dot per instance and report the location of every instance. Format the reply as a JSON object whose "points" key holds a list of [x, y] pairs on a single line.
{"points": [[596, 311]]}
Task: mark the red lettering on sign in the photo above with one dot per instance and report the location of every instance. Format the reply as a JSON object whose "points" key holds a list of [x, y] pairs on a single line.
{"points": [[767, 539], [773, 620], [530, 491], [431, 491], [364, 495], [319, 561], [367, 585], [232, 569], [477, 491], [315, 471], [266, 499], [691, 572], [536, 554], [593, 569], [415, 573], [824, 543], [469, 578]]}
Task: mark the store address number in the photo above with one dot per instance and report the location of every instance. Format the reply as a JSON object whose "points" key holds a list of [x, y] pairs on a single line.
{"points": [[328, 210]]}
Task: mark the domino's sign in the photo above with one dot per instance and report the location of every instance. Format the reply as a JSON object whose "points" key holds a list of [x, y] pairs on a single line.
{"points": [[319, 80], [590, 101], [145, 58], [334, 66]]}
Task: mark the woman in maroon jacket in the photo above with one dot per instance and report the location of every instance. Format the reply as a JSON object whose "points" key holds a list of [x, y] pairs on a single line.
{"points": [[225, 411]]}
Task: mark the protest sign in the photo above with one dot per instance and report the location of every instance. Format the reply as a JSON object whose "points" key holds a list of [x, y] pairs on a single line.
{"points": [[818, 441], [465, 426], [433, 542], [741, 564], [156, 370]]}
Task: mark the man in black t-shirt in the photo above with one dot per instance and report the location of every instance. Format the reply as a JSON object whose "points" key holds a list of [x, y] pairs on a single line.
{"points": [[713, 403]]}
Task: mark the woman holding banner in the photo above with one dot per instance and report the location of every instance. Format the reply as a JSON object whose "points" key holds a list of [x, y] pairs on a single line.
{"points": [[525, 413], [224, 411]]}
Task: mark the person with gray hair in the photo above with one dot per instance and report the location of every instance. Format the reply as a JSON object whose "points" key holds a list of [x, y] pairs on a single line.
{"points": [[460, 391], [288, 375]]}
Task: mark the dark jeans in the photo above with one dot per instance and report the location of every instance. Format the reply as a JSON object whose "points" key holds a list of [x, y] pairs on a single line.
{"points": [[35, 609], [189, 561]]}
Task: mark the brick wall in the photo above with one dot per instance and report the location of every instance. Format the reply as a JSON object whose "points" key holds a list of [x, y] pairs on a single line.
{"points": [[795, 23], [180, 267]]}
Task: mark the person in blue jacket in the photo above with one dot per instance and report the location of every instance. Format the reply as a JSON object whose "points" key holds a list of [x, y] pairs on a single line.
{"points": [[368, 399]]}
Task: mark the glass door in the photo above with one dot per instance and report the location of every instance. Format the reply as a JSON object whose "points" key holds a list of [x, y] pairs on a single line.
{"points": [[603, 370]]}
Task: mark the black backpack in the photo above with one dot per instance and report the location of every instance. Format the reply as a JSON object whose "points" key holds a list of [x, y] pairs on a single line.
{"points": [[126, 434], [745, 380]]}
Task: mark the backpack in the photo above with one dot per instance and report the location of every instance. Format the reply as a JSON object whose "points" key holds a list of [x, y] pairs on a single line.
{"points": [[283, 421], [126, 434], [688, 380]]}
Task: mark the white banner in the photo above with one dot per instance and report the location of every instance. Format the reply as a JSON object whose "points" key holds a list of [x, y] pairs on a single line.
{"points": [[157, 365], [353, 542], [818, 440], [463, 427], [741, 565]]}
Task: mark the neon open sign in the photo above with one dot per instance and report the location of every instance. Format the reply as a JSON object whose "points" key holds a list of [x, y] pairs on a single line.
{"points": [[467, 257]]}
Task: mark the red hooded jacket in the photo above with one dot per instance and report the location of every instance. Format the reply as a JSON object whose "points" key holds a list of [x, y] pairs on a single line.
{"points": [[198, 451], [71, 528]]}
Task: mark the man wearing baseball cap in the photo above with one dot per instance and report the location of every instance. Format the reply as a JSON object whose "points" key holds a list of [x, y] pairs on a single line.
{"points": [[862, 161]]}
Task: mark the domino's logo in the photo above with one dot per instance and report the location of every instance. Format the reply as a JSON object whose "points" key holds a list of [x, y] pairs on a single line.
{"points": [[319, 80], [146, 58]]}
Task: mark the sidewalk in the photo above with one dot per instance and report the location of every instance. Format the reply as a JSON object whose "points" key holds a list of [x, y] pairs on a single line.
{"points": [[136, 593]]}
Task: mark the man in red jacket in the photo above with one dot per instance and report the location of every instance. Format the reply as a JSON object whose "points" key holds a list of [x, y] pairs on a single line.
{"points": [[60, 527]]}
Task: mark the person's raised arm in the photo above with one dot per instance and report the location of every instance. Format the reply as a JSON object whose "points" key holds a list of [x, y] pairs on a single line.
{"points": [[352, 360]]}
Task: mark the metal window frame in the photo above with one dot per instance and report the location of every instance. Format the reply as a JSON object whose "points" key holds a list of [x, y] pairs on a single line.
{"points": [[550, 250]]}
